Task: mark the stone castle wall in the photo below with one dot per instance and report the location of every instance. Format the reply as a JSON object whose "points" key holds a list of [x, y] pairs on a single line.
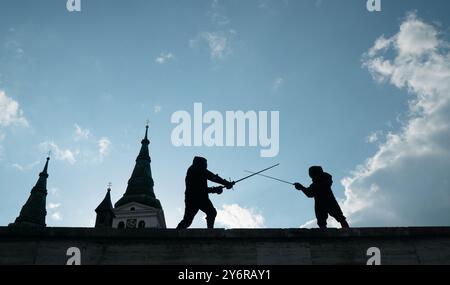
{"points": [[225, 247]]}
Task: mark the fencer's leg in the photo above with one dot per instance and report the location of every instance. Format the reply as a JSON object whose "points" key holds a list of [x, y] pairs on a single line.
{"points": [[322, 216], [189, 214], [336, 212], [211, 213], [344, 224]]}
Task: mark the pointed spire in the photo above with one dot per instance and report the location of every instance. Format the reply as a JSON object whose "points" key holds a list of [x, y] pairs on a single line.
{"points": [[44, 172], [34, 211], [140, 184], [106, 204], [143, 153], [105, 213], [146, 130]]}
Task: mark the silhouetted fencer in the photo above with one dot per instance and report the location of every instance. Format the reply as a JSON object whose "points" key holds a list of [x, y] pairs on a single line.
{"points": [[197, 190], [325, 202]]}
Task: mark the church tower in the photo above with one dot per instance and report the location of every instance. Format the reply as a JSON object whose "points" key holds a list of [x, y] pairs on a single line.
{"points": [[139, 208], [105, 213], [34, 211]]}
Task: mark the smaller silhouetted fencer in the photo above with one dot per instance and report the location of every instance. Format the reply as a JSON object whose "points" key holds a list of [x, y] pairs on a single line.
{"points": [[197, 190], [325, 202]]}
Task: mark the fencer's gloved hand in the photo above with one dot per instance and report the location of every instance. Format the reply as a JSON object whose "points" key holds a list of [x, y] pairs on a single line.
{"points": [[216, 190], [229, 184], [298, 186]]}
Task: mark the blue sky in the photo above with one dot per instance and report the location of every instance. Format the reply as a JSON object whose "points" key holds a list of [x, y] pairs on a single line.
{"points": [[83, 84]]}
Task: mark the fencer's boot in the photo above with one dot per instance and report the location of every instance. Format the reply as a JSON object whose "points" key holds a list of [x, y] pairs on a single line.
{"points": [[210, 222], [344, 224]]}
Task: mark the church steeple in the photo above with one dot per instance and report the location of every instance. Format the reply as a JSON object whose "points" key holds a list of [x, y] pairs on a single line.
{"points": [[105, 214], [140, 184], [34, 211]]}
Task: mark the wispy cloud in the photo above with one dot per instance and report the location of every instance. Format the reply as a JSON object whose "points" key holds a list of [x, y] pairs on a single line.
{"points": [[164, 57], [80, 133], [218, 40], [25, 167], [218, 15], [103, 146], [53, 205], [277, 83], [157, 109], [373, 137], [59, 153], [56, 216], [10, 112], [218, 44], [14, 48], [54, 191], [10, 115], [235, 216]]}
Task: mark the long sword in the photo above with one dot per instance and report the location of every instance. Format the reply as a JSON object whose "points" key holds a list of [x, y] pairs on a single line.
{"points": [[270, 177], [256, 173]]}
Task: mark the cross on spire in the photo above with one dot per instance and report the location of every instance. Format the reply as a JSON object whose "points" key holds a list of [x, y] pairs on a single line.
{"points": [[109, 185], [146, 131]]}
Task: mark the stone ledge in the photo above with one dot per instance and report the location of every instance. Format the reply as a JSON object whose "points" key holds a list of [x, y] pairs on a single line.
{"points": [[92, 233]]}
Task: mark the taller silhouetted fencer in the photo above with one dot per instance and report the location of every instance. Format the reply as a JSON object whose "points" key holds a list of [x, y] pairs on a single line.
{"points": [[325, 202], [197, 190]]}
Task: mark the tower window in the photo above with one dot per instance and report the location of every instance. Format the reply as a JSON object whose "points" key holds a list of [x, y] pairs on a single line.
{"points": [[141, 225], [121, 225], [132, 209]]}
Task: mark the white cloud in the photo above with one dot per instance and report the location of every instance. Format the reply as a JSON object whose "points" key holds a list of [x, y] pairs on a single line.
{"points": [[2, 137], [60, 154], [54, 191], [217, 14], [406, 182], [103, 146], [10, 115], [235, 216], [14, 48], [56, 216], [218, 41], [164, 57], [53, 205], [25, 167], [218, 44], [81, 133], [373, 137], [331, 223], [277, 83], [18, 166], [10, 112]]}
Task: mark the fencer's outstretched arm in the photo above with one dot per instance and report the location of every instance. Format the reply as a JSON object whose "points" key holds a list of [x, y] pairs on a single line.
{"points": [[309, 192], [217, 179]]}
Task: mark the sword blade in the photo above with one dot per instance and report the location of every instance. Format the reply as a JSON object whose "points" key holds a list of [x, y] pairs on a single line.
{"points": [[270, 177], [256, 173]]}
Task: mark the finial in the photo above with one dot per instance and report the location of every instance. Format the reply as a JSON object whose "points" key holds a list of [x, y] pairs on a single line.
{"points": [[49, 154], [146, 129], [109, 186], [44, 172]]}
